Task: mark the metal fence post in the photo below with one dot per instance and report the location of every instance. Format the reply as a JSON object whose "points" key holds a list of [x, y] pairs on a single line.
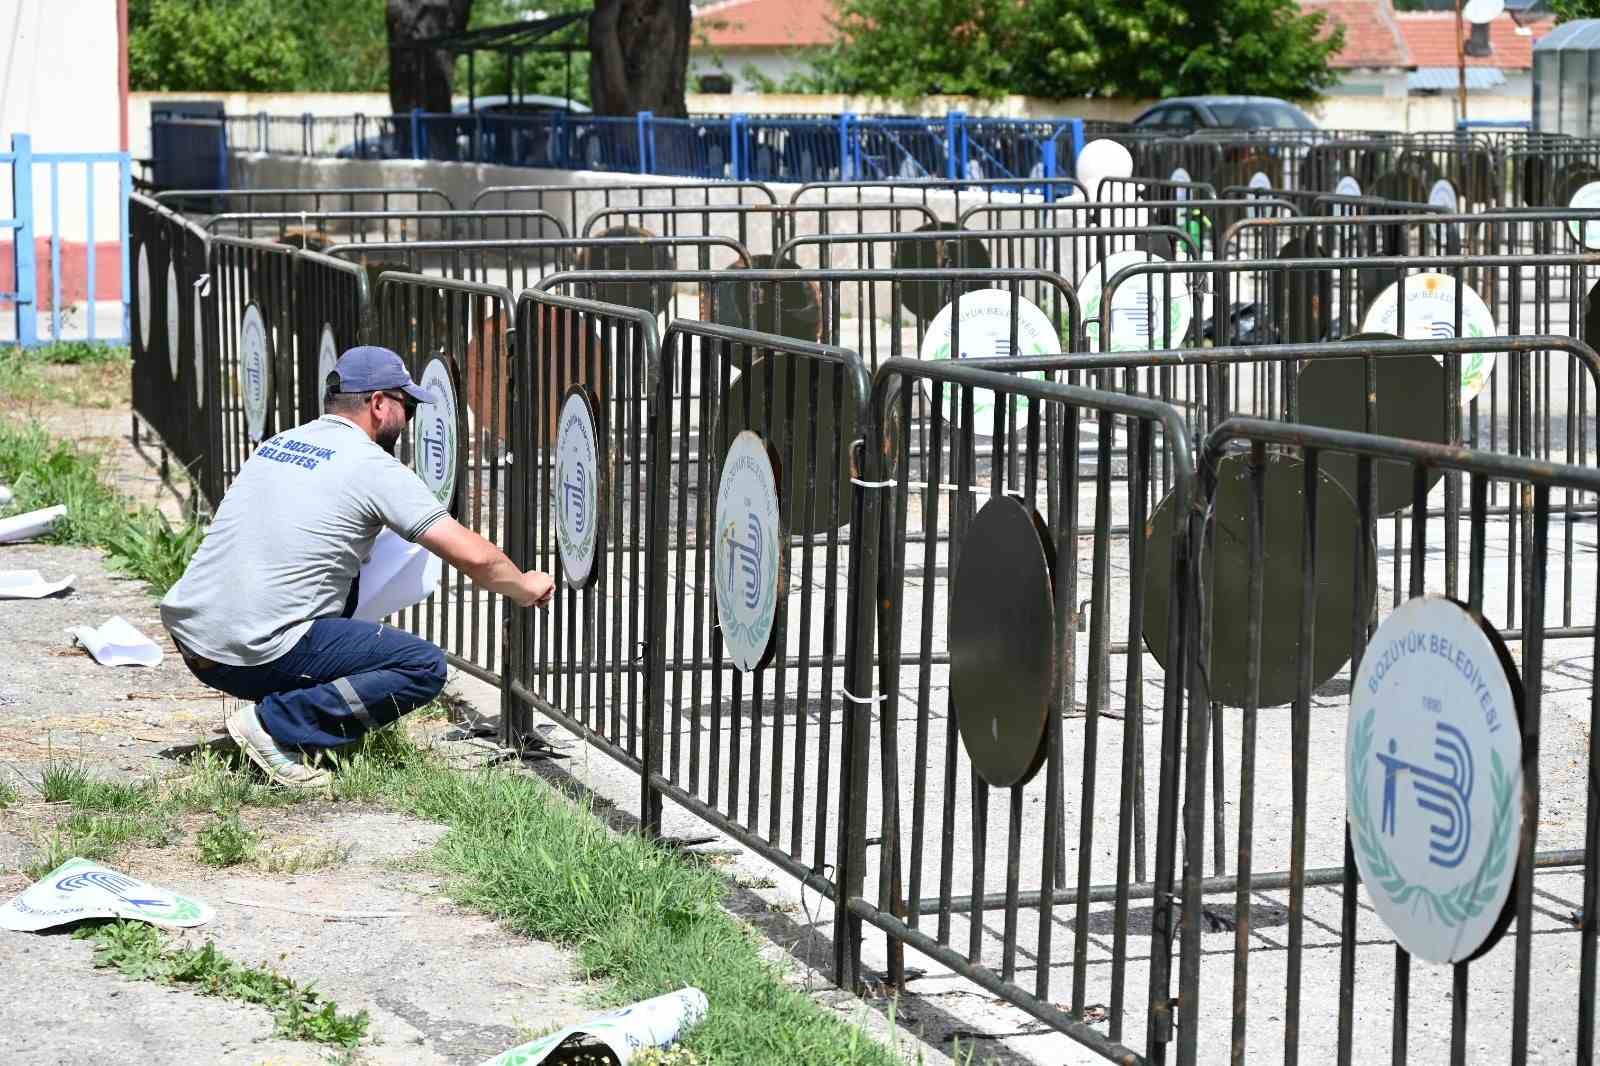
{"points": [[848, 167], [1048, 162], [1076, 125], [25, 260], [738, 158], [646, 141], [306, 130], [416, 133], [955, 153]]}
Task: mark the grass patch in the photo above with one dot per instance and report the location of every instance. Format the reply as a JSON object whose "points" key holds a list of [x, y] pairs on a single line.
{"points": [[226, 842], [299, 857], [8, 794], [44, 472], [641, 918], [69, 374], [141, 952]]}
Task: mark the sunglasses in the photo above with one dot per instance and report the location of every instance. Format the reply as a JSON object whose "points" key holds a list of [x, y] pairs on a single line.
{"points": [[404, 400]]}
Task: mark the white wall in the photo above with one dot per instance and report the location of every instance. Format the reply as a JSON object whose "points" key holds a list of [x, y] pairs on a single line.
{"points": [[58, 83], [773, 64]]}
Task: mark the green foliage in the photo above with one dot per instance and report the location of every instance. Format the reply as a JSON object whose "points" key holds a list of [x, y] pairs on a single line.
{"points": [[903, 49], [8, 793], [538, 73], [258, 45], [226, 842], [1566, 10], [44, 472], [140, 952]]}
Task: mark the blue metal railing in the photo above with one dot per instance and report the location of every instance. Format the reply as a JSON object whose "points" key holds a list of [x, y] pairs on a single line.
{"points": [[737, 147], [22, 229]]}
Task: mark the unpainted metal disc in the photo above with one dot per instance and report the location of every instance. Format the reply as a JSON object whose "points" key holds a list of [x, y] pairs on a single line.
{"points": [[787, 308], [644, 295], [1409, 404], [1002, 641], [790, 433], [1227, 568], [926, 298]]}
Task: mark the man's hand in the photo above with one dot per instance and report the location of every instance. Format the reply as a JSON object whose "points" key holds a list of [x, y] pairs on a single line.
{"points": [[536, 588], [486, 564]]}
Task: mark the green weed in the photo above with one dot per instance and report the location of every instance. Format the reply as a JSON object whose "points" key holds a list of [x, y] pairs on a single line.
{"points": [[8, 793], [226, 842], [212, 781], [63, 781], [44, 472], [78, 353], [140, 952], [280, 858]]}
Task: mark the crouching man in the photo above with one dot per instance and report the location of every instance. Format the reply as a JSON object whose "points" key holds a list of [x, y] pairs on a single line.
{"points": [[263, 612]]}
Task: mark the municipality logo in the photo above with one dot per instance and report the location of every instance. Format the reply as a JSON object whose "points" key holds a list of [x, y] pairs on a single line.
{"points": [[746, 551], [1434, 779]]}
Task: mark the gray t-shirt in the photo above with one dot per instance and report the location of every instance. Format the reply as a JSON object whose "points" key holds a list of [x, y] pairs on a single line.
{"points": [[288, 540]]}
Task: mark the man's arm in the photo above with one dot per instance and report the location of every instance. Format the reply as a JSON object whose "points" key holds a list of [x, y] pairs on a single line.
{"points": [[486, 564]]}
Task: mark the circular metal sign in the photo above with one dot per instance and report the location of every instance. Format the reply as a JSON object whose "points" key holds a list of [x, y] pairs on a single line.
{"points": [[144, 296], [199, 348], [1409, 404], [174, 305], [1136, 312], [1347, 186], [255, 369], [579, 516], [985, 327], [1433, 779], [435, 448], [1002, 636], [748, 552], [1180, 174], [1227, 579], [327, 359], [1587, 198], [1430, 304], [1443, 194]]}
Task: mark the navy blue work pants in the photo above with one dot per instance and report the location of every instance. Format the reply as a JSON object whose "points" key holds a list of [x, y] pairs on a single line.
{"points": [[343, 678]]}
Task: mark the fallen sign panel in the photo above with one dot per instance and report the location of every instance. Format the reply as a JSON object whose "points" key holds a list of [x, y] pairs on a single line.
{"points": [[79, 889]]}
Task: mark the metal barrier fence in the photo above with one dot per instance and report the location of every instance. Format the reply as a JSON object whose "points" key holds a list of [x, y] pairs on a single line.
{"points": [[943, 520], [321, 228], [978, 570], [170, 384], [314, 200], [462, 331], [1533, 995]]}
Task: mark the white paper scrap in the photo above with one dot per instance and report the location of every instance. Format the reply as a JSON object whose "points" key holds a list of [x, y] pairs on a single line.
{"points": [[116, 643], [32, 524], [395, 576], [30, 585], [657, 1022], [80, 889], [5, 496]]}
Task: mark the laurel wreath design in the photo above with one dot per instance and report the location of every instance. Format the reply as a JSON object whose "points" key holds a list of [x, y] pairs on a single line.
{"points": [[1465, 901]]}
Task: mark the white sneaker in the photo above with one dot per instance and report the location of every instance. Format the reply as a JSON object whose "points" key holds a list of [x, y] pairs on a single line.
{"points": [[281, 768]]}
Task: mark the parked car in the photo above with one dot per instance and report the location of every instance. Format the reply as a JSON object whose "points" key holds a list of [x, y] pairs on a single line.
{"points": [[1224, 112]]}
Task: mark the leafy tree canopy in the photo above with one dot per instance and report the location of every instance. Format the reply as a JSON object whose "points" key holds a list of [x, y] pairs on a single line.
{"points": [[904, 49], [257, 45]]}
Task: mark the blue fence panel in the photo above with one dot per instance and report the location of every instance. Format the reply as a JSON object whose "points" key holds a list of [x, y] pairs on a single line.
{"points": [[71, 298], [736, 147]]}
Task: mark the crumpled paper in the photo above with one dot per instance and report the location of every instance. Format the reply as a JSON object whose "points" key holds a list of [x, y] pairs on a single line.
{"points": [[116, 643], [625, 1031], [21, 527], [30, 585]]}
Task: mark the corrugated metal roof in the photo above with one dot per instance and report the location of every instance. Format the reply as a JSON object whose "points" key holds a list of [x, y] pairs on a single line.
{"points": [[1577, 34], [1424, 79]]}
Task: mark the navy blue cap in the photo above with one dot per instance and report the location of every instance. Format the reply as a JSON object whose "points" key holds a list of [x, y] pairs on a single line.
{"points": [[369, 368]]}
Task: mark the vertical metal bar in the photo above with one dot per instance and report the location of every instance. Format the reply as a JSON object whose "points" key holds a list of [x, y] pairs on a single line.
{"points": [[1300, 743]]}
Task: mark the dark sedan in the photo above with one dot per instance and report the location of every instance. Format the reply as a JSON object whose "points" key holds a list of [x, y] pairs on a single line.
{"points": [[1224, 112]]}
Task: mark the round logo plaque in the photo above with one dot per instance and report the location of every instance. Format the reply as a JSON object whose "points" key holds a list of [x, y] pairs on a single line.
{"points": [[1002, 631], [199, 348], [174, 305], [1181, 175], [985, 327], [435, 452], [1587, 198], [748, 552], [327, 359], [255, 369], [144, 296], [1433, 782], [1347, 186], [579, 515], [1430, 305], [1136, 311]]}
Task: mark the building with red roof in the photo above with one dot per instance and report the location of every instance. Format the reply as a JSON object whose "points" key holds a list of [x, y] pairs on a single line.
{"points": [[755, 45]]}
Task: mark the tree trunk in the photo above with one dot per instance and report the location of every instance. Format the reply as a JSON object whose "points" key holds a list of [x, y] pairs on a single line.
{"points": [[422, 77], [639, 57]]}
